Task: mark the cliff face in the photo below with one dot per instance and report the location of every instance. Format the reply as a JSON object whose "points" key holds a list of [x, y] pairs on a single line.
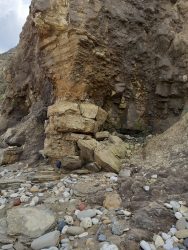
{"points": [[128, 57], [4, 62]]}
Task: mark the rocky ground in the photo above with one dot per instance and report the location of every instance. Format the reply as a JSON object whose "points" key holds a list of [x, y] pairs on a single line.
{"points": [[42, 207]]}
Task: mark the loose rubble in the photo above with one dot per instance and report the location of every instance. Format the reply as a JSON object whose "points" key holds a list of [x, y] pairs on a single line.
{"points": [[54, 210]]}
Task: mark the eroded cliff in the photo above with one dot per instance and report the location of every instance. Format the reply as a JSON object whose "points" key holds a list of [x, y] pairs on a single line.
{"points": [[128, 57]]}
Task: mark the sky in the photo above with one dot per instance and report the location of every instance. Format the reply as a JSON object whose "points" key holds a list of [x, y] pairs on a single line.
{"points": [[13, 14]]}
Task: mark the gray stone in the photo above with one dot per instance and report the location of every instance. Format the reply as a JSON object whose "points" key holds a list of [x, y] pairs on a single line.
{"points": [[74, 230], [6, 247], [186, 242], [32, 222], [125, 173], [3, 226], [107, 246], [181, 224], [175, 205], [101, 237], [87, 213], [48, 240], [118, 228]]}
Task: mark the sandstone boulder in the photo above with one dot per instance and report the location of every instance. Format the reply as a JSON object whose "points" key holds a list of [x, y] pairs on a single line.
{"points": [[74, 123], [10, 155], [102, 135], [107, 159], [87, 148], [89, 110], [107, 154], [64, 107], [72, 162]]}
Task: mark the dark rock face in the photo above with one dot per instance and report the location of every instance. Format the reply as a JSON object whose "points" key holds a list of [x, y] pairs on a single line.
{"points": [[130, 57]]}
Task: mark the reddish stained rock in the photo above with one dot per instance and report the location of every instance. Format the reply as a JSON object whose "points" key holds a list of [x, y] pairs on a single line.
{"points": [[82, 206], [16, 202]]}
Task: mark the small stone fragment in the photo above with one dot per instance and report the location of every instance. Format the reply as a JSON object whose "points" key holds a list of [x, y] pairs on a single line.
{"points": [[159, 242], [107, 246], [178, 215], [101, 238], [95, 221], [118, 228], [86, 223], [112, 201], [146, 188], [175, 205], [48, 240], [167, 205], [16, 202], [69, 220], [186, 242], [86, 213], [61, 225], [85, 234], [182, 234], [181, 224], [74, 230], [6, 247], [82, 206], [144, 245]]}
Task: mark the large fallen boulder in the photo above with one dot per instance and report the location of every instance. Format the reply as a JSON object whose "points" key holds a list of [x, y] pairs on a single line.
{"points": [[107, 154], [31, 222], [69, 122], [10, 155]]}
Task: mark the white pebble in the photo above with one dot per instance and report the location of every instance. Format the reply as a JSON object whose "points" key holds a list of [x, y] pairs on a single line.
{"points": [[146, 188], [175, 239], [95, 221], [86, 223], [3, 201], [83, 235], [145, 245], [24, 198], [66, 194], [61, 200], [165, 236], [77, 212], [69, 220], [175, 205], [167, 205], [15, 195], [114, 178], [173, 230], [126, 213], [64, 230], [34, 201], [178, 215], [98, 212], [155, 176]]}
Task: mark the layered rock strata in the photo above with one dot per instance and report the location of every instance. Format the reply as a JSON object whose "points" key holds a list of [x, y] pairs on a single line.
{"points": [[128, 57]]}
